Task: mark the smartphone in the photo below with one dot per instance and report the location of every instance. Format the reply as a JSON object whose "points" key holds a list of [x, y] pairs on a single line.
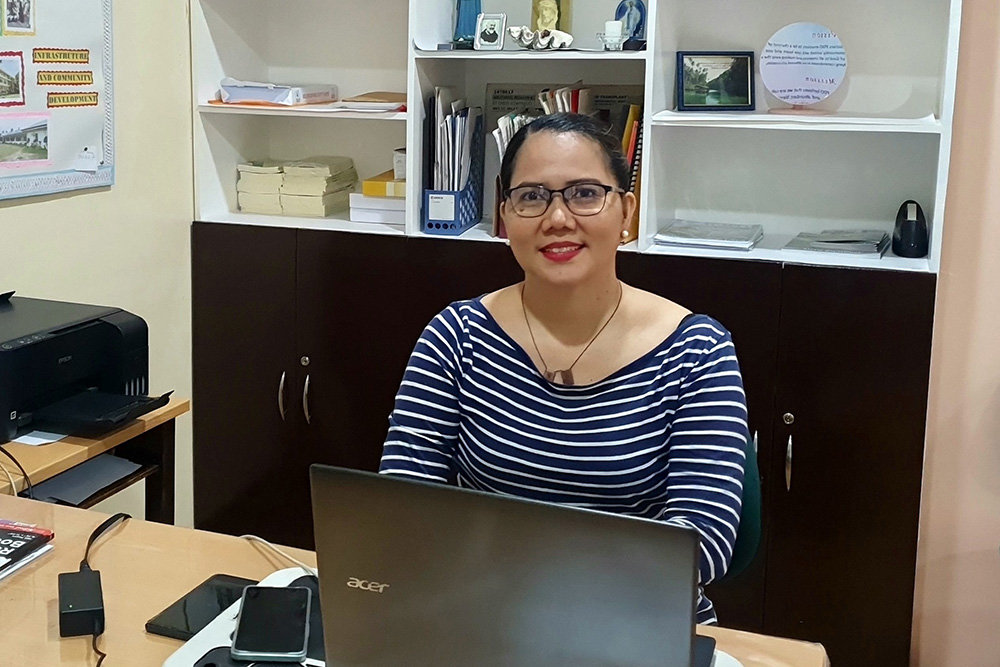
{"points": [[187, 616], [273, 624]]}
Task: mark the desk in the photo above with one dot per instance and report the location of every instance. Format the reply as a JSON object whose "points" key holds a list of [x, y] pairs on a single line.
{"points": [[146, 566], [148, 441]]}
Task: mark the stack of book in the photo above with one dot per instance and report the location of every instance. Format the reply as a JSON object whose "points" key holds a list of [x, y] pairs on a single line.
{"points": [[317, 186], [865, 242], [258, 189], [21, 543], [710, 235], [386, 210]]}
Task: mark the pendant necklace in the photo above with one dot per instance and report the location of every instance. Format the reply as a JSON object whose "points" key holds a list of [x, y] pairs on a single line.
{"points": [[566, 376]]}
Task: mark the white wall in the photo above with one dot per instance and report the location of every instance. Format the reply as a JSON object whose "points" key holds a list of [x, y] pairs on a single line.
{"points": [[127, 246]]}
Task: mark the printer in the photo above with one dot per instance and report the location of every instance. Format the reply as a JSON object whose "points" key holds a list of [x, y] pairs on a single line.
{"points": [[52, 352]]}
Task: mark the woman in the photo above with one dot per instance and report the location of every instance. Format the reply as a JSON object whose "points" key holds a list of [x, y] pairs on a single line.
{"points": [[572, 387]]}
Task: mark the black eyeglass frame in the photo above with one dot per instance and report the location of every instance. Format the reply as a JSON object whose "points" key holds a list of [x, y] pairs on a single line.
{"points": [[608, 189]]}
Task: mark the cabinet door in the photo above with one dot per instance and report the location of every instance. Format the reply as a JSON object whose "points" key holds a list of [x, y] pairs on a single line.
{"points": [[854, 360], [744, 297], [363, 301], [248, 475]]}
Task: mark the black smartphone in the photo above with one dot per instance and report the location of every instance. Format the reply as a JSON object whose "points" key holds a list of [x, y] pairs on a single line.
{"points": [[273, 624], [188, 615]]}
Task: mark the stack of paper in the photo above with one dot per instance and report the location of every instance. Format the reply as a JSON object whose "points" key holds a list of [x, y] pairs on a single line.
{"points": [[259, 186], [317, 186], [870, 242], [717, 235], [234, 91], [387, 210], [456, 123]]}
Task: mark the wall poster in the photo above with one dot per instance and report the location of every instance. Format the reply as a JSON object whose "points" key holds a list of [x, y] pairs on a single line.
{"points": [[56, 96]]}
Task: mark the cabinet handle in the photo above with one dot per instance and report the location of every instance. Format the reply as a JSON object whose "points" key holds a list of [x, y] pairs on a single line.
{"points": [[788, 465], [281, 397], [305, 401]]}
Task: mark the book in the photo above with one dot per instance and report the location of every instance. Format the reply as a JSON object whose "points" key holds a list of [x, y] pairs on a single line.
{"points": [[260, 183], [320, 165], [318, 185], [381, 99], [724, 236], [314, 207], [870, 242], [360, 200], [383, 185], [260, 167], [378, 215], [252, 202], [20, 543]]}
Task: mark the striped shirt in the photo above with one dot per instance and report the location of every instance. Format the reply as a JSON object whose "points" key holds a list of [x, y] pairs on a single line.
{"points": [[661, 438]]}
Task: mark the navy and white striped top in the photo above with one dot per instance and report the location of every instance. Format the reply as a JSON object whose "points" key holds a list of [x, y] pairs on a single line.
{"points": [[661, 438]]}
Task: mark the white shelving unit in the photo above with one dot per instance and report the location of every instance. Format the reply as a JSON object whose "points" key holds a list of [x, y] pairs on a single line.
{"points": [[887, 137]]}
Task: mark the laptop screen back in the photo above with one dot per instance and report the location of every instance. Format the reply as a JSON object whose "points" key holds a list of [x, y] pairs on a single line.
{"points": [[422, 574]]}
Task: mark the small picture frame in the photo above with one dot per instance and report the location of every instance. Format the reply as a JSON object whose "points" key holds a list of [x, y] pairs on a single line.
{"points": [[490, 32], [715, 81]]}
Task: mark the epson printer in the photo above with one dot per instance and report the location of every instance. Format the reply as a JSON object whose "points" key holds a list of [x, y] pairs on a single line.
{"points": [[70, 365]]}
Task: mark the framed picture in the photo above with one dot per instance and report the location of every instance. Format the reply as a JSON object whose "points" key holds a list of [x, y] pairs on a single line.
{"points": [[11, 79], [490, 29], [18, 17], [715, 81]]}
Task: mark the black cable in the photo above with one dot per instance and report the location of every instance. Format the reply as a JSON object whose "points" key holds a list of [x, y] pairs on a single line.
{"points": [[100, 530], [108, 524], [101, 655], [21, 468]]}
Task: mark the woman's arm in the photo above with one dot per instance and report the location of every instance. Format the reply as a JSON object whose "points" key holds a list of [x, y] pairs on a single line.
{"points": [[706, 446], [423, 426]]}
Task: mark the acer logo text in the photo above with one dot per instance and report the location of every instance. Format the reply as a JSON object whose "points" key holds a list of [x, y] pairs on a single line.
{"points": [[365, 585]]}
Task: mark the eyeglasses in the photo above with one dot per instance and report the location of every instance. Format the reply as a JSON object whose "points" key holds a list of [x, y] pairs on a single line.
{"points": [[532, 201]]}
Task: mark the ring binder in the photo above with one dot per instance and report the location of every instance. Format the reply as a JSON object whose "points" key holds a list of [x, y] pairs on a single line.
{"points": [[452, 212]]}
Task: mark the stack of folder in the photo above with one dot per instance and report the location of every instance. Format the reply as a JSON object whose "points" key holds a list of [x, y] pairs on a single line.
{"points": [[386, 210], [317, 186], [258, 189]]}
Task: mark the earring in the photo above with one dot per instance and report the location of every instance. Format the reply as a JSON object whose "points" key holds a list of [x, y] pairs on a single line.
{"points": [[624, 233]]}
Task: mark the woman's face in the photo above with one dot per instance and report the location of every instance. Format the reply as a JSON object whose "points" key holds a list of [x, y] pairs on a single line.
{"points": [[560, 247]]}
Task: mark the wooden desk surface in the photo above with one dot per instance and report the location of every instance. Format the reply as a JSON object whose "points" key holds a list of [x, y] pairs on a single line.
{"points": [[146, 566], [45, 461]]}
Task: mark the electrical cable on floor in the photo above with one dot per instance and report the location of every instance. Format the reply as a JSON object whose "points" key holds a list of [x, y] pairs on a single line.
{"points": [[27, 479], [253, 538], [101, 655]]}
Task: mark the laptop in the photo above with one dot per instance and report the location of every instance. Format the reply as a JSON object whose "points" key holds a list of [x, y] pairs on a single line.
{"points": [[421, 574]]}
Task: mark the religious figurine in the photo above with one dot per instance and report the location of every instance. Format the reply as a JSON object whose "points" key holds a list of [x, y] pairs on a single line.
{"points": [[633, 14], [465, 21], [550, 15]]}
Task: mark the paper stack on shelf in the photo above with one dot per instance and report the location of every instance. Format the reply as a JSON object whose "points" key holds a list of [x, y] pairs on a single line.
{"points": [[317, 186], [386, 210], [259, 186], [870, 242], [384, 185], [234, 91], [456, 123], [713, 235]]}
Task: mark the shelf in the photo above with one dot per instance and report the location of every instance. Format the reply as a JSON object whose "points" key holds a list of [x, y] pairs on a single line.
{"points": [[339, 222], [526, 54], [768, 121], [299, 112], [770, 250]]}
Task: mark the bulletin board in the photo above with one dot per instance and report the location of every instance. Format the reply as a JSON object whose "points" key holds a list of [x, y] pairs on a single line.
{"points": [[56, 96]]}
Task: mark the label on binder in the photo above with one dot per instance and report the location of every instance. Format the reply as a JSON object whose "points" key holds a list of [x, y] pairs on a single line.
{"points": [[441, 207]]}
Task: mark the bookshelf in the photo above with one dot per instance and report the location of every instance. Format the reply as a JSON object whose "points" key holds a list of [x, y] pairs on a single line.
{"points": [[887, 138]]}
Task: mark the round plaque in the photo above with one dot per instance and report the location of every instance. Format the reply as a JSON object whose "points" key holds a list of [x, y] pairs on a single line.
{"points": [[803, 63]]}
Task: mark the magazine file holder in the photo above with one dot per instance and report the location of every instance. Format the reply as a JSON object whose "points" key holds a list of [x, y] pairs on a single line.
{"points": [[452, 212]]}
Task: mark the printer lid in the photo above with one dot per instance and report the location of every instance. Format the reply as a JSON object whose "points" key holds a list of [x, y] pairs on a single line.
{"points": [[22, 316]]}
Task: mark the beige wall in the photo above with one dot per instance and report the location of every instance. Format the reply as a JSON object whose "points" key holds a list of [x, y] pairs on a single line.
{"points": [[957, 611], [127, 246]]}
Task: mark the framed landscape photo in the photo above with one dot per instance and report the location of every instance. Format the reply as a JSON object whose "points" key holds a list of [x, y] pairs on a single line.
{"points": [[490, 29], [715, 81]]}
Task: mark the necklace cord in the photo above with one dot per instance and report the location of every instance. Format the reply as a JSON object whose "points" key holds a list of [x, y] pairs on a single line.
{"points": [[550, 374]]}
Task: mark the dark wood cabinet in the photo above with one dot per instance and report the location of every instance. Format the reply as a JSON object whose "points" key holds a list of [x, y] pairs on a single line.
{"points": [[845, 353], [850, 407]]}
